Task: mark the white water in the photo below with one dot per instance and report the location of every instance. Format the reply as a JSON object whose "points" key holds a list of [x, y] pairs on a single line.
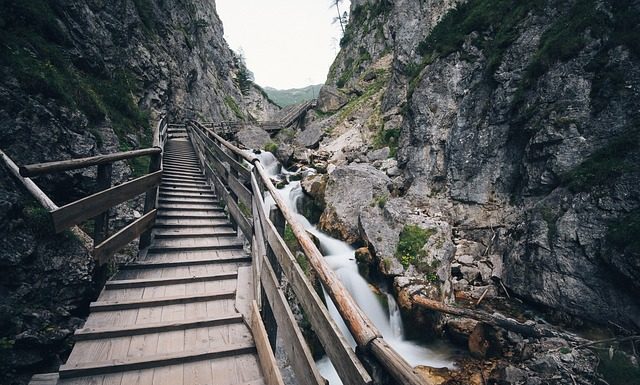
{"points": [[340, 257]]}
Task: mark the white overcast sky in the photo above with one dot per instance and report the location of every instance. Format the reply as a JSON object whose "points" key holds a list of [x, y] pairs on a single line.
{"points": [[286, 43]]}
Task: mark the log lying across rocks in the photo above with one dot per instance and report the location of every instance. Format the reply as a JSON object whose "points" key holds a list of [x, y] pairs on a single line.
{"points": [[496, 320]]}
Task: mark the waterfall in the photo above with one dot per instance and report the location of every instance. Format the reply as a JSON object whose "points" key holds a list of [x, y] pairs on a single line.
{"points": [[340, 257]]}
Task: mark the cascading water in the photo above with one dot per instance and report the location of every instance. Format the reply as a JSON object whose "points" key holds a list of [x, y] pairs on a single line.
{"points": [[340, 257]]}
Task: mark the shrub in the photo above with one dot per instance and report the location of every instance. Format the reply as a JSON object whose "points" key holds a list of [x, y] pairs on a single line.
{"points": [[412, 239], [271, 147]]}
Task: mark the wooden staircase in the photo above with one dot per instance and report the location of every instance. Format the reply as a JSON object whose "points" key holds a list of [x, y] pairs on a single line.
{"points": [[175, 315]]}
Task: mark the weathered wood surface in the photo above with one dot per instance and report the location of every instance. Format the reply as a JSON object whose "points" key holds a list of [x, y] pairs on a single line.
{"points": [[267, 359], [337, 348], [33, 189], [295, 345], [170, 317], [120, 239], [85, 208], [74, 164]]}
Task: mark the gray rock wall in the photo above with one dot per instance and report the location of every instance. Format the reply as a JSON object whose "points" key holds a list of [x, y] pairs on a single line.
{"points": [[530, 154]]}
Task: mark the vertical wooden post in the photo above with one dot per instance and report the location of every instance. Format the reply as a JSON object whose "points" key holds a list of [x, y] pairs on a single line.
{"points": [[101, 222], [150, 199], [278, 221]]}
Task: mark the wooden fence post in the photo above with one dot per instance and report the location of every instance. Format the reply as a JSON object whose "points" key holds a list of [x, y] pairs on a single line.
{"points": [[101, 222], [150, 199]]}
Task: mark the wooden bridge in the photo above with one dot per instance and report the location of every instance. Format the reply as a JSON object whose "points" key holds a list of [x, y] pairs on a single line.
{"points": [[285, 118], [204, 301]]}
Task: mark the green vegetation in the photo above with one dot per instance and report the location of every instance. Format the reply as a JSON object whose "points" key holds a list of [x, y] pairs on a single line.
{"points": [[245, 210], [37, 218], [500, 18], [33, 48], [293, 245], [623, 233], [362, 17], [233, 106], [353, 67], [380, 201], [618, 370], [387, 138], [412, 239], [605, 165], [145, 11], [550, 216], [381, 80], [292, 96], [271, 147]]}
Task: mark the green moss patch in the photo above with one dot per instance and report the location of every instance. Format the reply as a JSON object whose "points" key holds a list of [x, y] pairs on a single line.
{"points": [[412, 239]]}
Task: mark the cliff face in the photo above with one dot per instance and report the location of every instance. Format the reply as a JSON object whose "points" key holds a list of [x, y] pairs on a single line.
{"points": [[82, 77], [518, 126]]}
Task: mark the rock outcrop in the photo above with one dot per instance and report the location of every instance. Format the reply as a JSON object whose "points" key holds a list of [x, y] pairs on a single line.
{"points": [[517, 128], [81, 78]]}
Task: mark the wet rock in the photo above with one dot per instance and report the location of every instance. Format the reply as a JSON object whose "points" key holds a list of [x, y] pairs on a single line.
{"points": [[459, 329], [484, 341], [330, 99], [311, 136], [315, 186], [379, 155], [253, 137], [434, 376], [350, 189]]}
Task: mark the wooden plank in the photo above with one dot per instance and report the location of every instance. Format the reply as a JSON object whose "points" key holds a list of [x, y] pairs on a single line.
{"points": [[158, 327], [74, 164], [191, 262], [44, 379], [337, 348], [33, 189], [361, 327], [123, 237], [244, 292], [136, 283], [165, 301], [295, 346], [247, 156], [101, 222], [240, 219], [268, 362], [83, 209], [243, 193], [161, 360]]}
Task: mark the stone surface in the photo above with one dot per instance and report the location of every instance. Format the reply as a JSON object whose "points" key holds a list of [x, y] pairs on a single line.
{"points": [[253, 137], [330, 99], [360, 183]]}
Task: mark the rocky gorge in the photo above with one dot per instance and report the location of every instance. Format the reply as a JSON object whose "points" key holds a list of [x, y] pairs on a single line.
{"points": [[81, 78], [487, 152], [481, 154]]}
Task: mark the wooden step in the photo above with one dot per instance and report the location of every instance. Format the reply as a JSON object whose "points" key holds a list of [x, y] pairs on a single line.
{"points": [[180, 263], [176, 222], [86, 334], [137, 283], [183, 170], [182, 173], [197, 232], [154, 302], [180, 177], [113, 366], [203, 247], [185, 189], [170, 194], [196, 185], [189, 200]]}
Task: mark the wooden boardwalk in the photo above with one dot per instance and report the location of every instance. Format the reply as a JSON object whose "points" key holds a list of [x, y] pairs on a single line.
{"points": [[175, 315]]}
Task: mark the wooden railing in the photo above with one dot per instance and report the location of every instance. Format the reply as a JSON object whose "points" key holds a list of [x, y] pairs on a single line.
{"points": [[97, 205], [240, 182]]}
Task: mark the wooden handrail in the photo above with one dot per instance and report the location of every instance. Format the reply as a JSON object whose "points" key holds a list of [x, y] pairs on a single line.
{"points": [[74, 164], [361, 327]]}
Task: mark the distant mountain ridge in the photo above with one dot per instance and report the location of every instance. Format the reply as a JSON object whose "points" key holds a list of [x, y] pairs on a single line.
{"points": [[293, 96]]}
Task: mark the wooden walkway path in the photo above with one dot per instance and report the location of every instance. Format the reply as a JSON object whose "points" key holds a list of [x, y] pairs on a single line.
{"points": [[175, 315]]}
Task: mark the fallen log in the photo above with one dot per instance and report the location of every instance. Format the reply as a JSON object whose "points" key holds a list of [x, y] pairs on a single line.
{"points": [[496, 320]]}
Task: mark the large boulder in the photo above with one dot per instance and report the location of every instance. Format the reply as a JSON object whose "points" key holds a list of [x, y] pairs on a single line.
{"points": [[349, 190], [253, 137], [331, 99], [311, 136]]}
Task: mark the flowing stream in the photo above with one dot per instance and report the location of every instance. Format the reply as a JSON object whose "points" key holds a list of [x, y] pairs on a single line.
{"points": [[340, 257]]}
